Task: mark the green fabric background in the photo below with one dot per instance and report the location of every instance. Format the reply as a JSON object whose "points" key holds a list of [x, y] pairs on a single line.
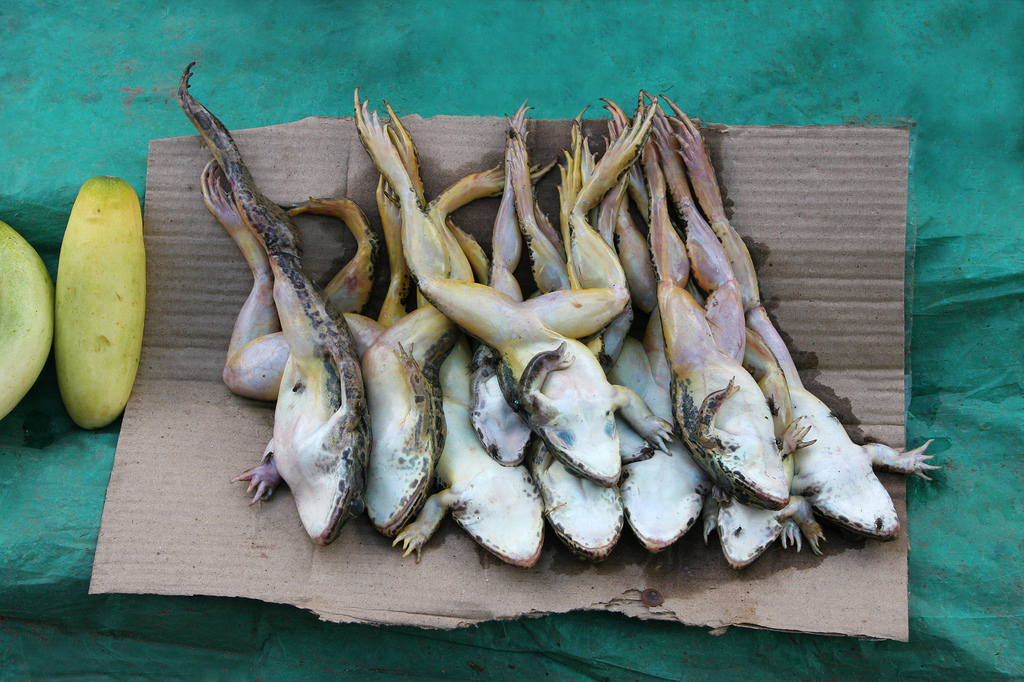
{"points": [[84, 86]]}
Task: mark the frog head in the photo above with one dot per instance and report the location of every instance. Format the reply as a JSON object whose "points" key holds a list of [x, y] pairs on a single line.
{"points": [[585, 439]]}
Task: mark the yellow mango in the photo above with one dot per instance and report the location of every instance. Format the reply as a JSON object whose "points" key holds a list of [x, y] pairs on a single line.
{"points": [[26, 317], [100, 302]]}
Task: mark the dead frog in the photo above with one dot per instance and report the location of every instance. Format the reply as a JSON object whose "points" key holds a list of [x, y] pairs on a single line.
{"points": [[321, 426], [499, 506]]}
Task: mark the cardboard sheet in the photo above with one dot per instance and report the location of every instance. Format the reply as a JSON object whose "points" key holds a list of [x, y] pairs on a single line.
{"points": [[823, 210]]}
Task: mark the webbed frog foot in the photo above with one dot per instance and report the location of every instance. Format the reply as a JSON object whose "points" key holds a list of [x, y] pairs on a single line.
{"points": [[705, 432], [263, 478], [885, 458], [793, 438]]}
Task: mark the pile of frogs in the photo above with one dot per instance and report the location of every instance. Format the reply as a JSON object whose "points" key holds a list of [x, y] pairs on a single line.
{"points": [[538, 410]]}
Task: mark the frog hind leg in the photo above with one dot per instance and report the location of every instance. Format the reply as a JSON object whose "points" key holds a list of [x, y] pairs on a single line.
{"points": [[709, 513], [799, 521], [350, 288], [254, 363], [885, 458], [254, 370]]}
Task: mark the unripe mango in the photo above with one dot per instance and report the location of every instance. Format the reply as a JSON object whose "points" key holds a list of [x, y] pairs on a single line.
{"points": [[100, 302], [26, 317]]}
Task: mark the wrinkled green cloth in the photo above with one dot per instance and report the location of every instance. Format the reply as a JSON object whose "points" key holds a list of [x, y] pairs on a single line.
{"points": [[85, 86]]}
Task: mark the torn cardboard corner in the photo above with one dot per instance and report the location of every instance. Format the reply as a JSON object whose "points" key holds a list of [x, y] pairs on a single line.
{"points": [[823, 210]]}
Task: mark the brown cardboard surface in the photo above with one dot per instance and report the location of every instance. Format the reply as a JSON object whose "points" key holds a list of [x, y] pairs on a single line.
{"points": [[824, 212]]}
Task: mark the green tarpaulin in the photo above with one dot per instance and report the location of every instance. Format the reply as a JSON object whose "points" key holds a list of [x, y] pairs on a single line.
{"points": [[84, 86]]}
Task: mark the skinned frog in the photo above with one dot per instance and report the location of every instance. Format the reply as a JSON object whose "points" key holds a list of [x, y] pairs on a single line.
{"points": [[498, 506], [321, 427], [723, 416], [572, 408], [662, 495]]}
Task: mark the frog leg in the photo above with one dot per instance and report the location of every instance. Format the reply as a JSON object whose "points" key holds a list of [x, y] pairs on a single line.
{"points": [[712, 271], [704, 433], [533, 401], [416, 534], [548, 264], [393, 307], [635, 256], [619, 156], [799, 519], [579, 312], [253, 365], [350, 288], [709, 260], [502, 431], [705, 185], [472, 250], [885, 458], [430, 249], [403, 144], [506, 241], [263, 478], [254, 370], [634, 176], [635, 411], [608, 343], [709, 512], [671, 261], [760, 361]]}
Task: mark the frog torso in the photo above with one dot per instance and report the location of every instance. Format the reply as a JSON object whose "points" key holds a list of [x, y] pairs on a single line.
{"points": [[576, 417], [662, 495]]}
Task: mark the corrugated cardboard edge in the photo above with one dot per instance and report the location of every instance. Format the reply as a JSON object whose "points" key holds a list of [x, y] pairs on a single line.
{"points": [[127, 561]]}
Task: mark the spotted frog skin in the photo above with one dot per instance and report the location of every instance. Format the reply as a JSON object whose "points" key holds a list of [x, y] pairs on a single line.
{"points": [[404, 401], [321, 426]]}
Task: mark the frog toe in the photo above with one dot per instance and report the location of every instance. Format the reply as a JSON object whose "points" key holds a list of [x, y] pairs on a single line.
{"points": [[790, 535], [910, 462], [412, 540], [263, 478], [793, 438]]}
